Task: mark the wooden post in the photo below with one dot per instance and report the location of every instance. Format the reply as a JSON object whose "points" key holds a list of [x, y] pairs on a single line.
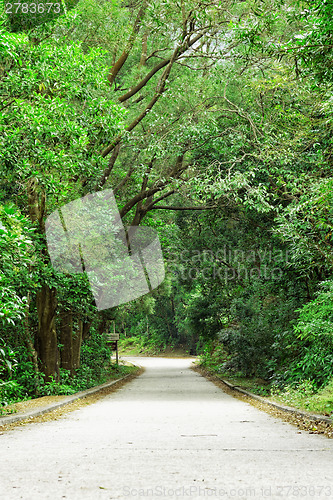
{"points": [[114, 334], [112, 341]]}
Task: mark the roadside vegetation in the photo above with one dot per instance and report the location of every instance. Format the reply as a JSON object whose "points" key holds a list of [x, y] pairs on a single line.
{"points": [[20, 381], [212, 122]]}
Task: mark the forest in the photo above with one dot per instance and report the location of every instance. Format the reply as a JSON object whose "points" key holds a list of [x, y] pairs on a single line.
{"points": [[211, 121]]}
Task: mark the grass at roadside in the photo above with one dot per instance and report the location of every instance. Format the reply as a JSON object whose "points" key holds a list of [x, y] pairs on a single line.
{"points": [[304, 395]]}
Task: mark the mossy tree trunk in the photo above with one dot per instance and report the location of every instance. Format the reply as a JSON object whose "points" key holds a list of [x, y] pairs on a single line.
{"points": [[47, 345], [66, 340]]}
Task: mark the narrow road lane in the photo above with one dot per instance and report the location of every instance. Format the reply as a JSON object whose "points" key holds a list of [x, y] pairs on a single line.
{"points": [[170, 433]]}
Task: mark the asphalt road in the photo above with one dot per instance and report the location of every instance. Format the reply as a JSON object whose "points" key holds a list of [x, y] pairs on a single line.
{"points": [[169, 433]]}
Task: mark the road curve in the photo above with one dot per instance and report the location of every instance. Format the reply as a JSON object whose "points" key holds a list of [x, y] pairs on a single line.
{"points": [[169, 433]]}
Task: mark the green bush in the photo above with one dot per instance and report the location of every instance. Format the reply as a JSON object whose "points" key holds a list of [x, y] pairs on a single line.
{"points": [[95, 356], [312, 340], [11, 392], [25, 373], [8, 360]]}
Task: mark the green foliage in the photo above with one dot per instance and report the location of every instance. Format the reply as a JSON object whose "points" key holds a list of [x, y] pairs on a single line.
{"points": [[26, 376], [306, 396], [306, 225], [214, 356], [13, 387], [8, 360], [149, 344], [10, 392], [63, 386], [315, 322], [313, 45], [312, 341], [95, 355], [16, 253], [59, 115]]}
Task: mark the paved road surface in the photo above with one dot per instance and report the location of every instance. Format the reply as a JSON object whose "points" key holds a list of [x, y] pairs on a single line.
{"points": [[168, 434]]}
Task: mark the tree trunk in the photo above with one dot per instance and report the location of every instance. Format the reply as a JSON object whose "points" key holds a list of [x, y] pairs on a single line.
{"points": [[71, 351], [77, 342], [66, 340], [102, 325], [86, 330], [47, 346], [27, 338], [46, 299]]}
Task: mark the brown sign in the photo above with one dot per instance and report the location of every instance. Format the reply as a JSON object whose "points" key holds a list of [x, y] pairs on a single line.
{"points": [[112, 337]]}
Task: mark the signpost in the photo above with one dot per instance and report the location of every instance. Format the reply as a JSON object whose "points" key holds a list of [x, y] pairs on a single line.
{"points": [[112, 341]]}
